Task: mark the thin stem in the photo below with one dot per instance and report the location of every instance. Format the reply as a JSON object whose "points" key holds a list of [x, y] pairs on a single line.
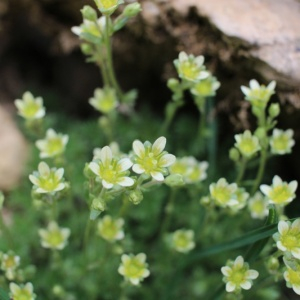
{"points": [[110, 70], [6, 233], [260, 173], [242, 170], [124, 208], [102, 66], [87, 233]]}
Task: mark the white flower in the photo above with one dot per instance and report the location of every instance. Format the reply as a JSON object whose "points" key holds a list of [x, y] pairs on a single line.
{"points": [[183, 240], [134, 268], [224, 193], [247, 143], [115, 150], [110, 229], [104, 100], [53, 144], [206, 87], [292, 278], [151, 159], [22, 292], [259, 95], [108, 6], [282, 141], [241, 196], [91, 28], [9, 263], [190, 68], [54, 237], [237, 275], [280, 192], [288, 237], [111, 171], [47, 180], [29, 107], [258, 206]]}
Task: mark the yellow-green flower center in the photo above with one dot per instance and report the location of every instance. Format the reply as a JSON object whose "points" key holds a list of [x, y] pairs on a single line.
{"points": [[30, 109], [281, 143], [221, 194], [181, 240], [107, 4], [178, 168], [258, 207], [189, 70], [91, 28], [237, 276], [54, 238], [280, 194], [49, 183], [291, 239], [55, 146], [134, 268], [109, 230], [9, 262], [247, 146], [294, 276], [204, 88], [195, 174]]}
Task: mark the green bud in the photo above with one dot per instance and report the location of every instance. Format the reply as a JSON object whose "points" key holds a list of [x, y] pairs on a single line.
{"points": [[260, 133], [206, 201], [234, 154], [89, 13], [104, 122], [97, 207], [173, 84], [272, 264], [257, 111], [174, 180], [58, 291], [274, 110], [86, 49], [1, 200], [135, 196], [131, 10]]}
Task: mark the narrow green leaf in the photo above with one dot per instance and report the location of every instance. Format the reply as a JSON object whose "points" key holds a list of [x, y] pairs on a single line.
{"points": [[3, 295]]}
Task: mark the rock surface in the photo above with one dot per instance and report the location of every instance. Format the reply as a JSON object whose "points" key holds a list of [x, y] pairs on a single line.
{"points": [[13, 151]]}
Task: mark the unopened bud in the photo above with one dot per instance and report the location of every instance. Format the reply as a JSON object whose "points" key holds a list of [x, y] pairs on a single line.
{"points": [[89, 13], [135, 196], [86, 49], [131, 10], [174, 180], [234, 154], [274, 110]]}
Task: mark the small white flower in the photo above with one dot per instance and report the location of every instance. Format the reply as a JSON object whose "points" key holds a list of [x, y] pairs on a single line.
{"points": [[110, 229], [111, 171], [53, 144], [280, 193], [237, 275], [259, 95], [9, 263], [247, 143], [223, 193], [104, 100], [206, 87], [54, 237], [151, 159], [241, 196], [282, 141], [30, 108], [108, 6], [288, 237], [47, 180], [190, 68], [90, 28], [115, 150], [21, 292], [258, 206], [292, 274], [134, 268], [183, 240]]}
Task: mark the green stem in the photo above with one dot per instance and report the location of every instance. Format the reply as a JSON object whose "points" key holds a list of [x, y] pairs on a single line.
{"points": [[261, 169], [87, 233], [124, 208], [110, 70], [6, 233], [242, 170], [102, 66]]}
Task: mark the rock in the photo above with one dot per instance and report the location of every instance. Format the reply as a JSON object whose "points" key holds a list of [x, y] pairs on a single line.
{"points": [[13, 152]]}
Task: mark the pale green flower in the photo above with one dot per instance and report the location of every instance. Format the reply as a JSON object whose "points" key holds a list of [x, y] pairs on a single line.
{"points": [[223, 193], [111, 171], [22, 292], [288, 237], [134, 268], [183, 240], [110, 229], [95, 29], [206, 87], [115, 150], [107, 7], [47, 180], [258, 206], [237, 275], [190, 68], [53, 144], [151, 159], [30, 108], [259, 95], [9, 263], [247, 143], [54, 237], [292, 273], [282, 141], [241, 196], [191, 170], [104, 100], [280, 193]]}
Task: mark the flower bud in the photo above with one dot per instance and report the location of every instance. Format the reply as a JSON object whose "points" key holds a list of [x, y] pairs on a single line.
{"points": [[260, 133], [89, 13], [274, 110], [272, 265], [135, 196], [234, 154], [173, 84], [98, 206], [86, 49], [131, 10], [174, 180]]}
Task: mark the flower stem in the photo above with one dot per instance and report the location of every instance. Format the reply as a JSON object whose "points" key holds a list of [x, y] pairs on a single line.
{"points": [[242, 170], [6, 232], [261, 169]]}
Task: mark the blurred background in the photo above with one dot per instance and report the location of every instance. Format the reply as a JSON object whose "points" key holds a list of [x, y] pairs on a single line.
{"points": [[240, 40]]}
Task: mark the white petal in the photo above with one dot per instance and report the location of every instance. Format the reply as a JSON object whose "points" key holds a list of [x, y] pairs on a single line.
{"points": [[239, 262], [296, 224], [43, 168], [59, 173], [245, 90], [14, 288], [125, 164], [277, 181], [29, 287], [252, 274], [157, 176], [182, 56], [283, 227], [34, 180], [60, 187], [246, 285], [296, 288], [137, 168], [106, 184], [226, 271], [94, 167], [134, 281], [106, 155], [296, 253], [265, 189], [146, 273], [141, 257], [293, 186], [51, 133], [254, 84], [230, 286], [280, 246], [167, 160], [76, 30], [271, 86], [126, 181], [159, 145], [125, 258], [138, 148]]}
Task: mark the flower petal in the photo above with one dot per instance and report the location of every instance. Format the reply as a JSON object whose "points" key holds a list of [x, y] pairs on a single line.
{"points": [[124, 164], [167, 160], [283, 227], [125, 181], [159, 145], [230, 287], [138, 148], [246, 285], [137, 168], [157, 176], [226, 271], [106, 155]]}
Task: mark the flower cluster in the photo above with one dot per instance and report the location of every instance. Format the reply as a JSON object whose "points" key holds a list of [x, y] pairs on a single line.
{"points": [[237, 275]]}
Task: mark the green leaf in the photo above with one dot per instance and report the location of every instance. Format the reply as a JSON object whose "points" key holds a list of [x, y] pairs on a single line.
{"points": [[3, 295]]}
